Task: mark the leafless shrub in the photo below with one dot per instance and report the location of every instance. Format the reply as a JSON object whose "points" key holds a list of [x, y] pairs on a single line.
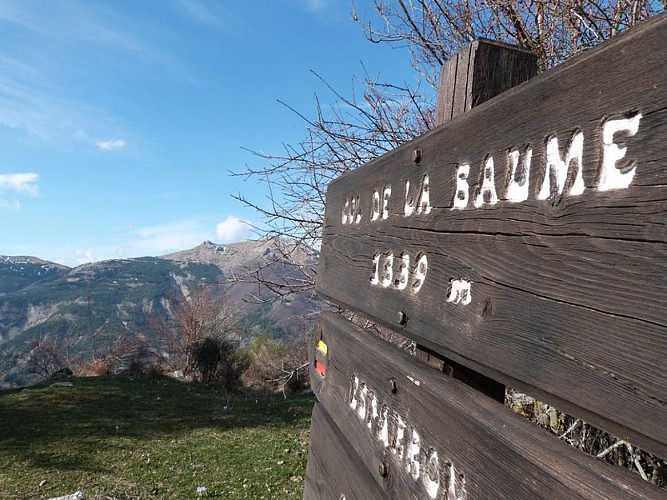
{"points": [[276, 366], [51, 353], [197, 317], [588, 438], [97, 367]]}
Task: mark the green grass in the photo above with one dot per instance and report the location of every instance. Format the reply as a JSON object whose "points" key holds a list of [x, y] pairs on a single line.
{"points": [[122, 438]]}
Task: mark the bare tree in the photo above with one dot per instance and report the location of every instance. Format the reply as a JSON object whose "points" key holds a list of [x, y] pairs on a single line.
{"points": [[197, 317], [435, 30], [378, 116], [52, 353]]}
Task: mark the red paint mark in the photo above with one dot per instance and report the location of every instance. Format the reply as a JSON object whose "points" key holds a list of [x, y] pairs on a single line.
{"points": [[319, 368]]}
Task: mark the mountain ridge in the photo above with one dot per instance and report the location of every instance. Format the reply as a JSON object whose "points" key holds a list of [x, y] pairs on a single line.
{"points": [[39, 298]]}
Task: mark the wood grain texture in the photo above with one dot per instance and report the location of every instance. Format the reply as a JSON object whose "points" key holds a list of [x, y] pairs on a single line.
{"points": [[493, 453], [334, 471], [568, 295], [479, 72]]}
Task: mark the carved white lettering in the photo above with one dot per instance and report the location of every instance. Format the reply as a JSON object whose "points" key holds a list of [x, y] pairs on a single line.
{"points": [[517, 188], [382, 429], [413, 465], [361, 401], [398, 445], [556, 169], [563, 175], [375, 278], [357, 210], [462, 188], [423, 464], [409, 205], [372, 410], [459, 292], [487, 192], [386, 275], [386, 195], [388, 270], [354, 387], [454, 491], [403, 273], [351, 212], [611, 176], [345, 213], [375, 206], [432, 474], [421, 268], [424, 204]]}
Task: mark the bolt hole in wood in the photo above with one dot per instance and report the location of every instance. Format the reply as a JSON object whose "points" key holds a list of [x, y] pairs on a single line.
{"points": [[393, 388]]}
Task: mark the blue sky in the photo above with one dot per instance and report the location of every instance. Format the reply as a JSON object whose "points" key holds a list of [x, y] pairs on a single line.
{"points": [[120, 120]]}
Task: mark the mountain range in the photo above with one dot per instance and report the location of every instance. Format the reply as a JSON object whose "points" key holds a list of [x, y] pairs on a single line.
{"points": [[40, 298]]}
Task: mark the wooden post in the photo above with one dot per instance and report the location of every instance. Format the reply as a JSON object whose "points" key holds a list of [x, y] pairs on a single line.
{"points": [[478, 73]]}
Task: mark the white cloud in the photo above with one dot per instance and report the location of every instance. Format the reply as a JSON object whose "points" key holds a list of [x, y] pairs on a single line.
{"points": [[232, 230], [155, 240], [161, 239], [10, 204], [82, 256], [165, 238], [23, 183], [110, 144]]}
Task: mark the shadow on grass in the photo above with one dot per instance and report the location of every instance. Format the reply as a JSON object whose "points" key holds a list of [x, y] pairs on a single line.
{"points": [[37, 423]]}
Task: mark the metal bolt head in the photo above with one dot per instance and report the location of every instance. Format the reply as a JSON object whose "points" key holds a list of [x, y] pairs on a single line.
{"points": [[402, 318], [383, 469], [416, 155]]}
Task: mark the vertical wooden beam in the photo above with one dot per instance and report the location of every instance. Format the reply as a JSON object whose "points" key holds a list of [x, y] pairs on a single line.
{"points": [[478, 73], [481, 71]]}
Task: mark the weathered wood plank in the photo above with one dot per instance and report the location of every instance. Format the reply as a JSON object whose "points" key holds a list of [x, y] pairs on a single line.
{"points": [[483, 70], [479, 72], [334, 471], [442, 438], [567, 293]]}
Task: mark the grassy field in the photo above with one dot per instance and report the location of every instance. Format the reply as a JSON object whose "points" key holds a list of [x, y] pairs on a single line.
{"points": [[122, 438]]}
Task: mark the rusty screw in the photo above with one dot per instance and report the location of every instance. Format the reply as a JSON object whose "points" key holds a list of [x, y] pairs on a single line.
{"points": [[392, 386], [416, 155], [383, 469]]}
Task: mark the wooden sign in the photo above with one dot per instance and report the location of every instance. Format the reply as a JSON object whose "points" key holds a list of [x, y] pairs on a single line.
{"points": [[388, 426], [334, 470], [526, 239]]}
